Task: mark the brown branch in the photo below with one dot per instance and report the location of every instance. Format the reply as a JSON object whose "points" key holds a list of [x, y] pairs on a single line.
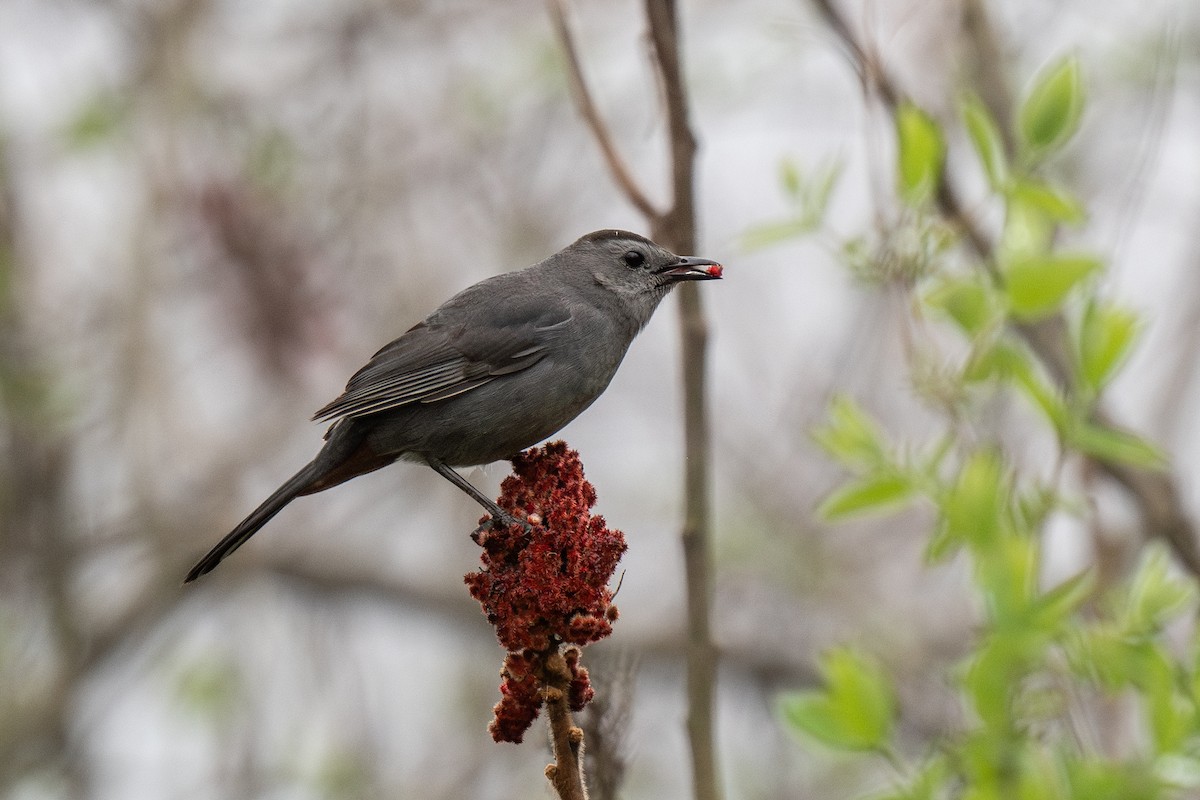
{"points": [[566, 773], [1155, 493], [591, 115], [750, 652], [868, 68], [676, 225], [875, 76], [1158, 499], [985, 67], [675, 228]]}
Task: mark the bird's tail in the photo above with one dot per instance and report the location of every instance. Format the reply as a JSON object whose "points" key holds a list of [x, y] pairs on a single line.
{"points": [[300, 483]]}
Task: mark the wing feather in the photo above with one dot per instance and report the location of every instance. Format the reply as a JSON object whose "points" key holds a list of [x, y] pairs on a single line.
{"points": [[434, 361]]}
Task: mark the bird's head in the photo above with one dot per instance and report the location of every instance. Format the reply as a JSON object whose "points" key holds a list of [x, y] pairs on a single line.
{"points": [[636, 269]]}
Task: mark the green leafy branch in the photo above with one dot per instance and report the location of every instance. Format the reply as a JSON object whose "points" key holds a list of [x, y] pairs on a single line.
{"points": [[1044, 655]]}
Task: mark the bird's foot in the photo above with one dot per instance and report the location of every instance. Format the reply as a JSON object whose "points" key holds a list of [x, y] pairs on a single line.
{"points": [[496, 522]]}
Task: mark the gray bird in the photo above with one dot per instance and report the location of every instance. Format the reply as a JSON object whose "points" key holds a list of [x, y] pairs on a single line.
{"points": [[499, 367]]}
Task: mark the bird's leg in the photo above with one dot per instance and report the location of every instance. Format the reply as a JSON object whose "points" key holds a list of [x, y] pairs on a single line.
{"points": [[500, 517]]}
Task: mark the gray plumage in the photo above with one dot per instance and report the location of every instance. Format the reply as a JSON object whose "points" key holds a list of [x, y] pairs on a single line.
{"points": [[499, 367]]}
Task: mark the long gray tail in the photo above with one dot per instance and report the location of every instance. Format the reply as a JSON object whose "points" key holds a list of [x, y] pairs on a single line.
{"points": [[299, 483]]}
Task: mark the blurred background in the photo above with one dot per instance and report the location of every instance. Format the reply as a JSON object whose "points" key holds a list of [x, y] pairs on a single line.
{"points": [[213, 212]]}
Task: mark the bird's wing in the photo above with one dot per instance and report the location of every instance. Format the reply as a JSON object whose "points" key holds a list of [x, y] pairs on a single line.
{"points": [[444, 356]]}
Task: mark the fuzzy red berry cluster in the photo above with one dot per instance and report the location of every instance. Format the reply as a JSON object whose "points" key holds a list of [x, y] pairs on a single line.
{"points": [[526, 676], [547, 584]]}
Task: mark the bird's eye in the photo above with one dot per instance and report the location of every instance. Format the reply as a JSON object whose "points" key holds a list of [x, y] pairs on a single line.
{"points": [[634, 259]]}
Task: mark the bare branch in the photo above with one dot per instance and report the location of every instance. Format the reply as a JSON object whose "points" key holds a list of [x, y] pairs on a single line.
{"points": [[591, 115], [750, 652], [869, 68], [677, 230]]}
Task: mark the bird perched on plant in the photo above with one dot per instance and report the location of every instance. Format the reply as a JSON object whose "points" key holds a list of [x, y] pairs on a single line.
{"points": [[499, 367]]}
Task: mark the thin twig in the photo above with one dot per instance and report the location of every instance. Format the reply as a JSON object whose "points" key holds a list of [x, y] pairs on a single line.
{"points": [[985, 67], [875, 76], [749, 652], [606, 725], [868, 68], [591, 115], [677, 230], [566, 773]]}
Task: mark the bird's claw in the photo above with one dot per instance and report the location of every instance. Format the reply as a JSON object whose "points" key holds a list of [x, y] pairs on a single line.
{"points": [[499, 522]]}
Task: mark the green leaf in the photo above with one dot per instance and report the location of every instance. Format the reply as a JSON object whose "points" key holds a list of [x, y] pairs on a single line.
{"points": [[1007, 574], [1155, 596], [99, 118], [872, 493], [1111, 445], [1103, 655], [209, 687], [993, 675], [1050, 114], [1036, 286], [1053, 608], [272, 159], [922, 151], [1171, 715], [972, 507], [789, 177], [811, 713], [814, 202], [1034, 505], [809, 196], [856, 709], [944, 543], [1041, 776], [1057, 204], [1099, 778], [995, 359], [773, 233], [926, 782], [1105, 336], [343, 774], [985, 136], [851, 436], [1046, 395], [966, 301], [1028, 230]]}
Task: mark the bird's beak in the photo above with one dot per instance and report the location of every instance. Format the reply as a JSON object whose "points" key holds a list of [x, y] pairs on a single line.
{"points": [[689, 268]]}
